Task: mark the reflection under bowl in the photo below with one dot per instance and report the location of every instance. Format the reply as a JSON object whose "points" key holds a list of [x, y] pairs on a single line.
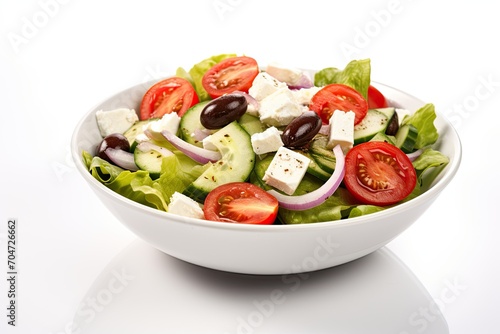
{"points": [[145, 291]]}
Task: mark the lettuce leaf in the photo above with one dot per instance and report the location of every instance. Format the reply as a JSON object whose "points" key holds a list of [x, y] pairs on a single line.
{"points": [[177, 172], [429, 159], [356, 74], [195, 74], [423, 120], [335, 207], [137, 186]]}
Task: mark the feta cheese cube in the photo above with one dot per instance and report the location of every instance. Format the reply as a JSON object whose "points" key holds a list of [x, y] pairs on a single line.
{"points": [[341, 130], [252, 109], [279, 108], [264, 85], [169, 122], [286, 170], [288, 75], [304, 95], [115, 121], [208, 144], [182, 205], [266, 141]]}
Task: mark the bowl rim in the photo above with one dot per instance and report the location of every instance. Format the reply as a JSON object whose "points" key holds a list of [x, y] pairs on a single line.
{"points": [[449, 172]]}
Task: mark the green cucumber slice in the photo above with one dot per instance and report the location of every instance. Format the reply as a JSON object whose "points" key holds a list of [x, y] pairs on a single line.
{"points": [[374, 122], [385, 138], [314, 168], [406, 137], [236, 164], [389, 111], [149, 157], [190, 123], [136, 129], [321, 155], [251, 124]]}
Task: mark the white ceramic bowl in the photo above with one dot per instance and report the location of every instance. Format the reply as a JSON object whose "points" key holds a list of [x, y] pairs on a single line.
{"points": [[270, 249]]}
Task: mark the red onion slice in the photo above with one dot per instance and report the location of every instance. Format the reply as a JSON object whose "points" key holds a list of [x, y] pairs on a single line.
{"points": [[325, 129], [413, 155], [122, 158], [315, 198], [196, 153], [250, 99], [200, 134]]}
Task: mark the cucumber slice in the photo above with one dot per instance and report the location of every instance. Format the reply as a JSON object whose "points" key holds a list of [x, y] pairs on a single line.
{"points": [[190, 123], [149, 157], [251, 124], [374, 122], [321, 155], [389, 111], [385, 138], [313, 168], [136, 129], [406, 137], [236, 164]]}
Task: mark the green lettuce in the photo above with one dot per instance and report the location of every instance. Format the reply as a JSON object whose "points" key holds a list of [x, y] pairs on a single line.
{"points": [[423, 120], [137, 186], [336, 207], [429, 163], [356, 74], [195, 74], [178, 171]]}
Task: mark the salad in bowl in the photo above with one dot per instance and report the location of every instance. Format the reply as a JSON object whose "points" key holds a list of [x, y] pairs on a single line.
{"points": [[230, 154]]}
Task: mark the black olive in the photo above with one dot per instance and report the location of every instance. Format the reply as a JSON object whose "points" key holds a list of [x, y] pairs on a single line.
{"points": [[393, 126], [223, 110], [301, 130], [114, 140]]}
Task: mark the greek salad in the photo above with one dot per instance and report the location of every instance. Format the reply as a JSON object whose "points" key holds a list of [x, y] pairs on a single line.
{"points": [[230, 141]]}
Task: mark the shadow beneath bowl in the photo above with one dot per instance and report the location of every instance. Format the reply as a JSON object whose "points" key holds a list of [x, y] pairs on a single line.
{"points": [[144, 290]]}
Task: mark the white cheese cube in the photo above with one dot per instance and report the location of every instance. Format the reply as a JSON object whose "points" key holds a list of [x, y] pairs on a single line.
{"points": [[267, 141], [279, 108], [252, 109], [115, 121], [286, 170], [264, 85], [341, 130], [169, 122], [208, 144], [290, 76], [182, 205], [304, 95], [140, 138]]}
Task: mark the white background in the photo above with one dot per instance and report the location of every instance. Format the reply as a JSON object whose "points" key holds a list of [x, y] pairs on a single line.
{"points": [[59, 58]]}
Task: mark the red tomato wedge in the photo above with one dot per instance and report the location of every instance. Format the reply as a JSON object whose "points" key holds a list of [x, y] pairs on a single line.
{"points": [[231, 74], [376, 99], [338, 97], [240, 202], [379, 173], [169, 95]]}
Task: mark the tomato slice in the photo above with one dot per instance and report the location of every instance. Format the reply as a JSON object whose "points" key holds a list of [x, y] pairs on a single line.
{"points": [[379, 173], [231, 74], [376, 99], [169, 95], [241, 202], [338, 97]]}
